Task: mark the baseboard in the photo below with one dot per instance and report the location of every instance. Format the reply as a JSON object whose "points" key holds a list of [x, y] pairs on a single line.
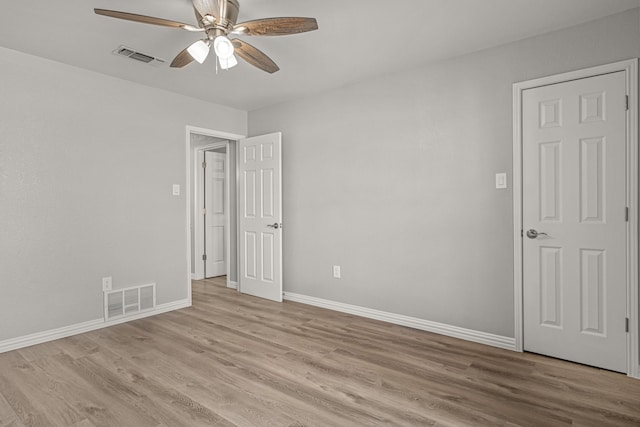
{"points": [[411, 322], [232, 285], [80, 328], [195, 276]]}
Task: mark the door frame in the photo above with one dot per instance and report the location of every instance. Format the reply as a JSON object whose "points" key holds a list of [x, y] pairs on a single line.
{"points": [[630, 67], [190, 165], [199, 202]]}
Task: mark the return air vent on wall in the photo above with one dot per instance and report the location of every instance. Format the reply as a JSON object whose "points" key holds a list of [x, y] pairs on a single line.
{"points": [[129, 301], [127, 52]]}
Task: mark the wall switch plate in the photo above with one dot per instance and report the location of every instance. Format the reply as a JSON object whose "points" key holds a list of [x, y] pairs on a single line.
{"points": [[176, 189], [501, 180], [336, 271], [107, 284]]}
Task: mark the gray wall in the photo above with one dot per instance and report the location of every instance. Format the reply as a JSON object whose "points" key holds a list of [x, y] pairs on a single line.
{"points": [[86, 168], [394, 179]]}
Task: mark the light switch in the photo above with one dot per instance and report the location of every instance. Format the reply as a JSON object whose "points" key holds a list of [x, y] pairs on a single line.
{"points": [[501, 180], [176, 189]]}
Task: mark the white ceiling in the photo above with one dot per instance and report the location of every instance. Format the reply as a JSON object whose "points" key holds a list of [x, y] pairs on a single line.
{"points": [[357, 39]]}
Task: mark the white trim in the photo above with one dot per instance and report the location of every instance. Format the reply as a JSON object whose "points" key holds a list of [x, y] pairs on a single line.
{"points": [[195, 276], [238, 283], [630, 67], [632, 224], [517, 220], [214, 133], [201, 131], [198, 235], [188, 203], [411, 322], [232, 285], [227, 201], [80, 328]]}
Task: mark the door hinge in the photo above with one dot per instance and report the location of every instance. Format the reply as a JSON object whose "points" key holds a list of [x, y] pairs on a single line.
{"points": [[204, 165], [626, 102], [204, 257], [626, 324], [626, 214], [521, 233]]}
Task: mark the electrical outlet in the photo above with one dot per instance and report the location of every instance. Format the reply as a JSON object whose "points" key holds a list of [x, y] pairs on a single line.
{"points": [[106, 284], [336, 271]]}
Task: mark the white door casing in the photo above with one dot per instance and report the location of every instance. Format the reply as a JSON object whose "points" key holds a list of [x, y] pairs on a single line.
{"points": [[216, 211], [260, 222], [574, 191], [191, 175]]}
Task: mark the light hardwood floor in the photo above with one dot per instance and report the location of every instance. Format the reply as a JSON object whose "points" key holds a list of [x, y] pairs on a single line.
{"points": [[237, 360]]}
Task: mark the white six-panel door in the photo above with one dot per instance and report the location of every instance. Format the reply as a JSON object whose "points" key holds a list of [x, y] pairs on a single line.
{"points": [[260, 223], [574, 178], [215, 214]]}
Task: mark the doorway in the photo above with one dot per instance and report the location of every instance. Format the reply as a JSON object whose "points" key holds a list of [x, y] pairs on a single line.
{"points": [[575, 204], [252, 192], [212, 206]]}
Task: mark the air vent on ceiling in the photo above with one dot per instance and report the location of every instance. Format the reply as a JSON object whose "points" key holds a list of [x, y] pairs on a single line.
{"points": [[127, 52]]}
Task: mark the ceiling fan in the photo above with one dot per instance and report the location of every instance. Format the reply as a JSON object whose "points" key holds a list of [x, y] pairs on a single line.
{"points": [[217, 20]]}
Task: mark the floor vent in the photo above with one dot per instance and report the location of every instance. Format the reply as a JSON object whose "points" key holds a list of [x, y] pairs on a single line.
{"points": [[127, 52], [129, 301]]}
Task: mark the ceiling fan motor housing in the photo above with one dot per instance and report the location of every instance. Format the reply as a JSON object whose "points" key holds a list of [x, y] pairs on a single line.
{"points": [[229, 10]]}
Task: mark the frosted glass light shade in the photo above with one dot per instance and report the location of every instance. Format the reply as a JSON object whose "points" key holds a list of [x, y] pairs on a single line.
{"points": [[199, 51], [223, 47], [226, 63]]}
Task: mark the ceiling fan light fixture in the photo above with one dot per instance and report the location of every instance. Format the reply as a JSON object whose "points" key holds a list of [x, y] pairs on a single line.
{"points": [[223, 47], [199, 50], [226, 63], [217, 19]]}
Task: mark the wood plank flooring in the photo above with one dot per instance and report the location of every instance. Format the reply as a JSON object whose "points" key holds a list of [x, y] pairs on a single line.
{"points": [[233, 359]]}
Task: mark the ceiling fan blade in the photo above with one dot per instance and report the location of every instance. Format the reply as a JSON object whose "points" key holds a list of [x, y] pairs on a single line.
{"points": [[145, 19], [183, 59], [254, 56], [208, 7], [276, 26]]}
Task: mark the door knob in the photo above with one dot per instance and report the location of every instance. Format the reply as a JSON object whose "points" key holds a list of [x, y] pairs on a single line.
{"points": [[274, 225], [532, 234]]}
